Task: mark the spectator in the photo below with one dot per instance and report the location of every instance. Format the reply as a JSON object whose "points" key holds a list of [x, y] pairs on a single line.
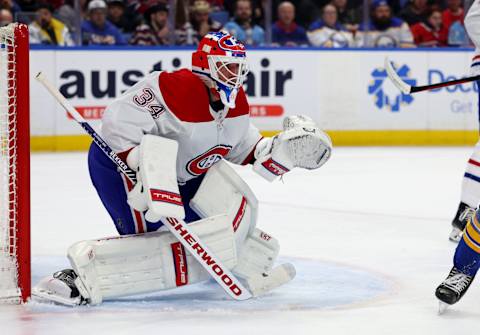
{"points": [[6, 17], [328, 32], [348, 17], [384, 29], [97, 30], [48, 30], [118, 16], [66, 13], [242, 27], [285, 31], [257, 17], [432, 32], [11, 5], [200, 24], [454, 12], [415, 11], [155, 31]]}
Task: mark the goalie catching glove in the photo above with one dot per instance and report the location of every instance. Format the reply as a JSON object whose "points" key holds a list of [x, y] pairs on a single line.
{"points": [[300, 144]]}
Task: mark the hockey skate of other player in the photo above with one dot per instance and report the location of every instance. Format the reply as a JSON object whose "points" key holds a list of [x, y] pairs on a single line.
{"points": [[470, 193], [466, 263], [177, 130]]}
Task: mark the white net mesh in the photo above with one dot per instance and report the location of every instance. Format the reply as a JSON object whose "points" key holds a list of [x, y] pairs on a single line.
{"points": [[9, 290]]}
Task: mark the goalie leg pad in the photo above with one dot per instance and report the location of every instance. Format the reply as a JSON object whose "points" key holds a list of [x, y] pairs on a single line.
{"points": [[134, 264], [223, 191], [258, 254], [255, 264]]}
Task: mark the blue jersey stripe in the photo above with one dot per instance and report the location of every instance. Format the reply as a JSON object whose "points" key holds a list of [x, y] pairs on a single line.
{"points": [[471, 176]]}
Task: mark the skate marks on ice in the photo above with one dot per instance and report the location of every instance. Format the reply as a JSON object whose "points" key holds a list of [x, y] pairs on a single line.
{"points": [[319, 285]]}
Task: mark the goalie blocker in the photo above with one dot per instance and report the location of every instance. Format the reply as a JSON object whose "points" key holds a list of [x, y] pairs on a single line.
{"points": [[114, 267]]}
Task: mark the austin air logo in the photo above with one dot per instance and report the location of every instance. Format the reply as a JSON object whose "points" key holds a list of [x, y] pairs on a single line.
{"points": [[386, 95]]}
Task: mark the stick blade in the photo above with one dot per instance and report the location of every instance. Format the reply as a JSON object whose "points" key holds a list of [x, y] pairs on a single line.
{"points": [[395, 78]]}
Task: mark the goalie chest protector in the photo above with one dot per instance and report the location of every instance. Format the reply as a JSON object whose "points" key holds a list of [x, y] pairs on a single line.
{"points": [[176, 106]]}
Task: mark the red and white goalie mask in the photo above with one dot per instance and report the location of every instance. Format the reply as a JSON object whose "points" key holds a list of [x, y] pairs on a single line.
{"points": [[221, 62]]}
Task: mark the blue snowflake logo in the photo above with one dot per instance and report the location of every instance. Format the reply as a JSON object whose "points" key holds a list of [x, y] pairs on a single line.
{"points": [[384, 100]]}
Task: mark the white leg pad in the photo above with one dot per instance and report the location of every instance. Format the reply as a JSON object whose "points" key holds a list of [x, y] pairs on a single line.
{"points": [[258, 254], [223, 191], [134, 264]]}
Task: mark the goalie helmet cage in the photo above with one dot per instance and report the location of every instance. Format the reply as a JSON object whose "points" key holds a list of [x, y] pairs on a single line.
{"points": [[14, 165]]}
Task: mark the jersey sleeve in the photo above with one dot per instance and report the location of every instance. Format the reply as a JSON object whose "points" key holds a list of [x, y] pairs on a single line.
{"points": [[123, 125], [140, 110], [243, 152]]}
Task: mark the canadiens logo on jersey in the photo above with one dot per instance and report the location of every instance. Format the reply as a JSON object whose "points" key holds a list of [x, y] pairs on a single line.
{"points": [[200, 164]]}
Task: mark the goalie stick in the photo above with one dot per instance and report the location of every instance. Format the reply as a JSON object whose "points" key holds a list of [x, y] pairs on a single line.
{"points": [[222, 275], [408, 89]]}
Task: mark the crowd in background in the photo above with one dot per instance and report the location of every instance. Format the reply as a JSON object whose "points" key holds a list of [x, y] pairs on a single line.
{"points": [[319, 23]]}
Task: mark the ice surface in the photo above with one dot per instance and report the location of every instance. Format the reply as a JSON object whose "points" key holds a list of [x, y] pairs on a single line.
{"points": [[368, 234]]}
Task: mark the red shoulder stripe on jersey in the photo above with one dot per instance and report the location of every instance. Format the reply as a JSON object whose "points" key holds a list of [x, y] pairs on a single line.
{"points": [[185, 95], [187, 98]]}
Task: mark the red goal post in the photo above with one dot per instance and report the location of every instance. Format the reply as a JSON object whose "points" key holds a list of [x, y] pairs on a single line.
{"points": [[15, 270]]}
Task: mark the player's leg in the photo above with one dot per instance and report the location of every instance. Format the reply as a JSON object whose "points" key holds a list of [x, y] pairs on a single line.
{"points": [[470, 195], [222, 192], [132, 264], [472, 25], [466, 263], [112, 188]]}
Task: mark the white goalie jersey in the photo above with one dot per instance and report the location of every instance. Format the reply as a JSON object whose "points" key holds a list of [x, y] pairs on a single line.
{"points": [[176, 106]]}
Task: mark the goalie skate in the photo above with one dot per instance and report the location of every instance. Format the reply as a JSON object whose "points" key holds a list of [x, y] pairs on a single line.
{"points": [[60, 289]]}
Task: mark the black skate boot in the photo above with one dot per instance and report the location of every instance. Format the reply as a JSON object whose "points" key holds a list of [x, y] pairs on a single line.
{"points": [[452, 289], [59, 288], [464, 213]]}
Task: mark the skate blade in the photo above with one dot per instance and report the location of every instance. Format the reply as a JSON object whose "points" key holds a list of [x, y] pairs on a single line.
{"points": [[442, 307]]}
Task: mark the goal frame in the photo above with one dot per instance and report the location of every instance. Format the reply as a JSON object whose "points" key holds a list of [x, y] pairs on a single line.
{"points": [[19, 157]]}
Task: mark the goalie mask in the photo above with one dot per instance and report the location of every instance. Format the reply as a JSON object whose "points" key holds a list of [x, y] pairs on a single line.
{"points": [[221, 62]]}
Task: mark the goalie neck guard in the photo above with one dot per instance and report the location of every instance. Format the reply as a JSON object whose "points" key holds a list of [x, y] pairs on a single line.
{"points": [[221, 62]]}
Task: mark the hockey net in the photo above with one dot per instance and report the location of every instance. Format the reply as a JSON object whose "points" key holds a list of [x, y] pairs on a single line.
{"points": [[14, 165]]}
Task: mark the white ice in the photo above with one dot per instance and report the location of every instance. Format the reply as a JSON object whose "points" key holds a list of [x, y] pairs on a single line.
{"points": [[368, 234]]}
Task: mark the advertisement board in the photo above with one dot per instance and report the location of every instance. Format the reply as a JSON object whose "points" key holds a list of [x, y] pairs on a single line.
{"points": [[346, 91]]}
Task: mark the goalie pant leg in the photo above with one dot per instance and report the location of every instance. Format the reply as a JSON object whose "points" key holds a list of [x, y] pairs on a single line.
{"points": [[471, 179], [467, 254], [112, 187], [472, 25]]}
